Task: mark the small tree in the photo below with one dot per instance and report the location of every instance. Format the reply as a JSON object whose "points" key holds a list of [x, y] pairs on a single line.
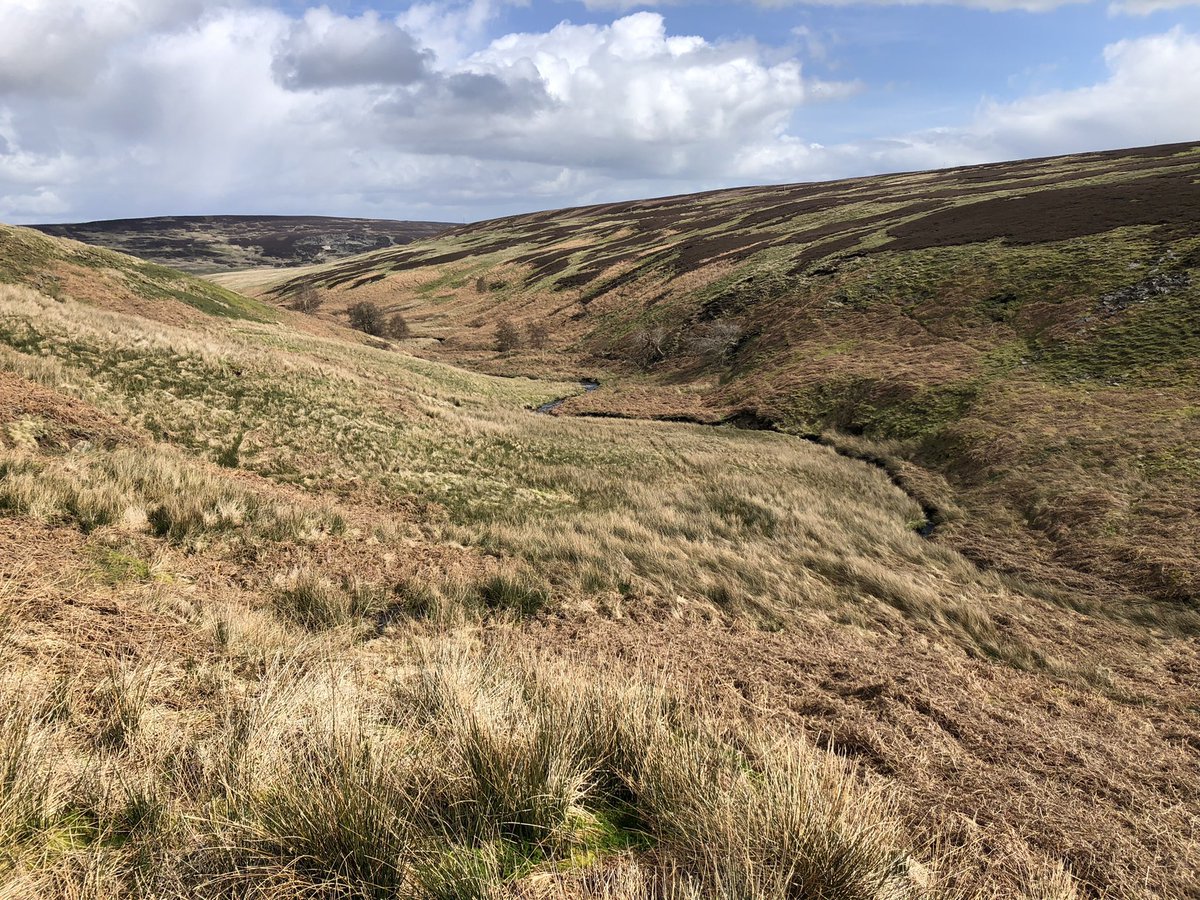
{"points": [[398, 327], [367, 317], [537, 336], [507, 336], [648, 346], [306, 299]]}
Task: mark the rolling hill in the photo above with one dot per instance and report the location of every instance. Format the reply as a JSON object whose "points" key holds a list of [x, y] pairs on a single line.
{"points": [[866, 572], [201, 244], [1019, 342]]}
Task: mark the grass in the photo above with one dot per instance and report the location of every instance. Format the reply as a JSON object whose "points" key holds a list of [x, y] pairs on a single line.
{"points": [[467, 774], [659, 510], [314, 602], [958, 358], [27, 254], [418, 641]]}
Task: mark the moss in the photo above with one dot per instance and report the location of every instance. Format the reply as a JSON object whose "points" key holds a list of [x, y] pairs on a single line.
{"points": [[115, 567]]}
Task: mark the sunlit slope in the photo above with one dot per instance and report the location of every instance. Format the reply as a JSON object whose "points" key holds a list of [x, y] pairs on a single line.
{"points": [[67, 269], [1029, 331], [282, 613]]}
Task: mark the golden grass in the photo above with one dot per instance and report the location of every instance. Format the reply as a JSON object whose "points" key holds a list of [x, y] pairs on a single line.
{"points": [[413, 770], [323, 560]]}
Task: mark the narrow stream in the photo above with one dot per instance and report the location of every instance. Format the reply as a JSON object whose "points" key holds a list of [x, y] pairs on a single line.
{"points": [[752, 421], [546, 408]]}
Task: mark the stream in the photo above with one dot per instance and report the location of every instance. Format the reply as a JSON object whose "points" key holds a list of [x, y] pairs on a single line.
{"points": [[749, 420]]}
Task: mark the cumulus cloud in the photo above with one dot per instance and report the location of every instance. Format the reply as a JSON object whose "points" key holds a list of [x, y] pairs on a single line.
{"points": [[198, 107], [246, 105], [1132, 7], [988, 5], [325, 50], [1152, 85], [1145, 7], [625, 97], [58, 46]]}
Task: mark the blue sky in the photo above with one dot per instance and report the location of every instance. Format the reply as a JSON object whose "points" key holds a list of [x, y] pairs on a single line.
{"points": [[470, 109]]}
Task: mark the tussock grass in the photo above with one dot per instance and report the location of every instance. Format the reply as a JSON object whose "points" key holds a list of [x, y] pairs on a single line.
{"points": [[745, 524], [30, 788], [470, 774], [275, 753], [151, 489], [315, 602], [122, 699]]}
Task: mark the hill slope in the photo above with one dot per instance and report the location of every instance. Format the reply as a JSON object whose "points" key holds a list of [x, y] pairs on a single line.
{"points": [[1019, 340], [69, 269], [216, 243], [289, 612]]}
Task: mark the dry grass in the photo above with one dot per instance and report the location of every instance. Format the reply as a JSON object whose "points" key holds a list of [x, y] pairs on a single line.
{"points": [[332, 621], [445, 766]]}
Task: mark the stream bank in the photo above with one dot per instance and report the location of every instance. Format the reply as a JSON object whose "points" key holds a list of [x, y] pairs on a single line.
{"points": [[752, 420]]}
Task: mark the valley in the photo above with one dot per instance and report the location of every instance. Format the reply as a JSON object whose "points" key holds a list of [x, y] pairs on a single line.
{"points": [[830, 540]]}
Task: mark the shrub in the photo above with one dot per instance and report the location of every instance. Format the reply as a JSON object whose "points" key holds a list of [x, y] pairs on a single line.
{"points": [[648, 346], [507, 336], [537, 336], [367, 317], [714, 340], [397, 327]]}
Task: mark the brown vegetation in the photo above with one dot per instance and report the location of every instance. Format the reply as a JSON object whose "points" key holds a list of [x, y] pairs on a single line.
{"points": [[285, 615]]}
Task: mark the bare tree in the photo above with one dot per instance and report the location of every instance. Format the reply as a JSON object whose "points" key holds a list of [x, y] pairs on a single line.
{"points": [[648, 346], [537, 336], [507, 336], [715, 340], [366, 316], [306, 299]]}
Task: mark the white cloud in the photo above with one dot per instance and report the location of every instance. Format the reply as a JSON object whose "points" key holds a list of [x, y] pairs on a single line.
{"points": [[248, 108], [1145, 7], [1131, 7], [987, 5], [185, 108], [1148, 97], [60, 45]]}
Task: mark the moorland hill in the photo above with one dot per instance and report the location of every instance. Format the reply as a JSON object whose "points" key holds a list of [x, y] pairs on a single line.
{"points": [[218, 243], [291, 610]]}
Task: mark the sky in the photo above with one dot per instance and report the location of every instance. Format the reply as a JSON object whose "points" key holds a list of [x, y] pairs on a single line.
{"points": [[462, 111]]}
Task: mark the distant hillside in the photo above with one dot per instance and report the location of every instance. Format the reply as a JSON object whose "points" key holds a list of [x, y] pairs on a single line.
{"points": [[203, 244], [1022, 339], [69, 270]]}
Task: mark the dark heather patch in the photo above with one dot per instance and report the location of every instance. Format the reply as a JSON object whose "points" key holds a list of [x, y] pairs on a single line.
{"points": [[1056, 215]]}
